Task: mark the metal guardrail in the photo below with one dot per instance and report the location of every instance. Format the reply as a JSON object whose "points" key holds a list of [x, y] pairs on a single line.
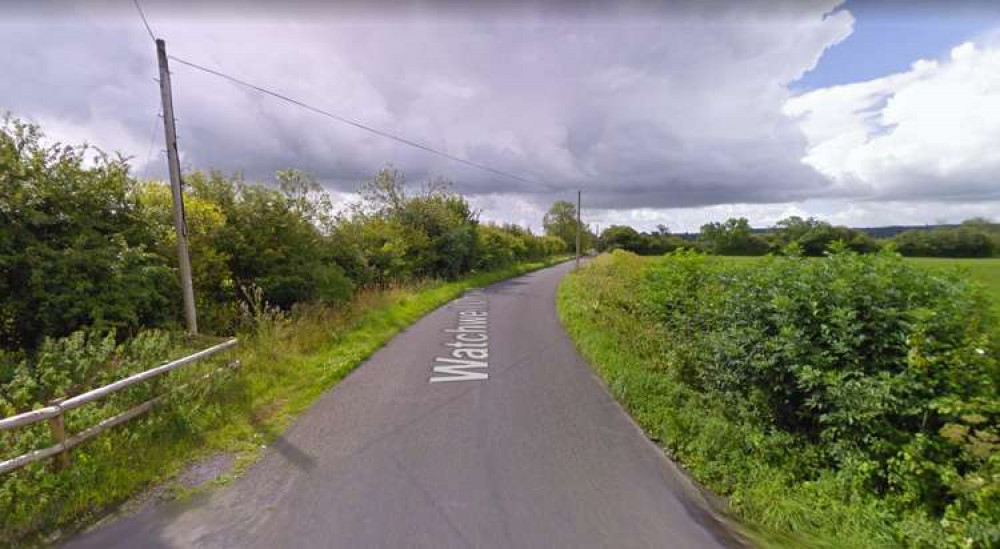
{"points": [[54, 413]]}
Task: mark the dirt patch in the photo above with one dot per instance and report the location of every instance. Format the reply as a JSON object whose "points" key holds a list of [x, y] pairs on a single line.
{"points": [[192, 476]]}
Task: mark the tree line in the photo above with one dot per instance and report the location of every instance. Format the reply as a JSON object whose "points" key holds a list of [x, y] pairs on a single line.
{"points": [[84, 244], [795, 235]]}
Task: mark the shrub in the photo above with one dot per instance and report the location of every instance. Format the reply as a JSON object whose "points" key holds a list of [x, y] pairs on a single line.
{"points": [[75, 250], [812, 237], [865, 383], [965, 241], [731, 237]]}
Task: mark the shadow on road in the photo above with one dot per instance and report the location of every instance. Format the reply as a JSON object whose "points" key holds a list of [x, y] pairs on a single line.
{"points": [[293, 454]]}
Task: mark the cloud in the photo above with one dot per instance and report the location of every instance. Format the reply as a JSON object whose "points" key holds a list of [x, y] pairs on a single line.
{"points": [[659, 108], [930, 133], [839, 211]]}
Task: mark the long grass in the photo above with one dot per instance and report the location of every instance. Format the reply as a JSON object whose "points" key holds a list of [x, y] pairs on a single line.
{"points": [[288, 361]]}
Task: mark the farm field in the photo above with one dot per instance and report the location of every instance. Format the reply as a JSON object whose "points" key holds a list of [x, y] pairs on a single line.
{"points": [[985, 271]]}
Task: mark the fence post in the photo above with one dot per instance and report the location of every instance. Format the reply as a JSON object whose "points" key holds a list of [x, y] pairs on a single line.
{"points": [[57, 424]]}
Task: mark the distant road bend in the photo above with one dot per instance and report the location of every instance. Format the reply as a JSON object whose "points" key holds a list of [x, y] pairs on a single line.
{"points": [[479, 426]]}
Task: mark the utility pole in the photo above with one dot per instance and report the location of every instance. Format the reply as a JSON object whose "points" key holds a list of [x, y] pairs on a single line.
{"points": [[174, 166], [578, 228]]}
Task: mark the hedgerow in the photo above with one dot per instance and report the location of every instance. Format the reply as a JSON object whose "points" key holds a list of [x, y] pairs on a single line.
{"points": [[89, 293], [86, 245], [849, 400]]}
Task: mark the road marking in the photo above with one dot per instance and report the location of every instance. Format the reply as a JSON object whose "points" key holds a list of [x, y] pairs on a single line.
{"points": [[470, 351]]}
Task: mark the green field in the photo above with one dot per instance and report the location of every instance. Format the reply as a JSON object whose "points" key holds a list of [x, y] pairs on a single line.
{"points": [[984, 271]]}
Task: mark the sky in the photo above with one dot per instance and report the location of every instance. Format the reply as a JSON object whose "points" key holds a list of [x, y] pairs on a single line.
{"points": [[675, 113]]}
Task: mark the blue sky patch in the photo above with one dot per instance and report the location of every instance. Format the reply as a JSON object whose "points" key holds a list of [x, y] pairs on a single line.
{"points": [[888, 40]]}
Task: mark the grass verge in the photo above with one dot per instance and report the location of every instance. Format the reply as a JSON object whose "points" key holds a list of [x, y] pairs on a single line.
{"points": [[288, 361]]}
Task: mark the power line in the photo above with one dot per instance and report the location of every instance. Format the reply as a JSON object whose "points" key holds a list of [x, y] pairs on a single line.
{"points": [[317, 110], [358, 125], [144, 21]]}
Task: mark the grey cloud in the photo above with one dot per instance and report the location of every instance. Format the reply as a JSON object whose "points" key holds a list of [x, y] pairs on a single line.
{"points": [[682, 107]]}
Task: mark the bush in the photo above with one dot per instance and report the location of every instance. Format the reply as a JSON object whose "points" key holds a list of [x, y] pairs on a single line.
{"points": [[83, 245], [964, 241], [731, 237], [866, 387], [621, 237], [90, 294], [497, 248], [75, 250], [812, 237]]}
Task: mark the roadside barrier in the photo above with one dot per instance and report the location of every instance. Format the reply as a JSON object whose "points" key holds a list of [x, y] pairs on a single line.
{"points": [[54, 413]]}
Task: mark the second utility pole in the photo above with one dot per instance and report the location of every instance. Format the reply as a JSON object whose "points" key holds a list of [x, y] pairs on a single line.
{"points": [[578, 228], [174, 167]]}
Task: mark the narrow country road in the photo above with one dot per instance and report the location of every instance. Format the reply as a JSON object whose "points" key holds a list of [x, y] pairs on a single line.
{"points": [[426, 445]]}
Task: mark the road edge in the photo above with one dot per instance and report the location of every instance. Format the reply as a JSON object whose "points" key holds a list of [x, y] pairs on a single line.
{"points": [[705, 507]]}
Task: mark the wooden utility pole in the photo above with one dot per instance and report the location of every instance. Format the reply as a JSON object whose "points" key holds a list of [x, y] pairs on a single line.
{"points": [[174, 167], [578, 228]]}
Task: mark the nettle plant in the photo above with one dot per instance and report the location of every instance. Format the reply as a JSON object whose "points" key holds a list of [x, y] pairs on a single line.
{"points": [[70, 365]]}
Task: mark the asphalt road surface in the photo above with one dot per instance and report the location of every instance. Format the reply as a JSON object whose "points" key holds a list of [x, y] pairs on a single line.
{"points": [[425, 447]]}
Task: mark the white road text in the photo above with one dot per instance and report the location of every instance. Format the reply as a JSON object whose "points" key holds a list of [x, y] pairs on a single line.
{"points": [[470, 351]]}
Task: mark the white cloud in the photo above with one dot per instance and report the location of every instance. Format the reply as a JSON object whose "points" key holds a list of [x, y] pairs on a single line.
{"points": [[928, 133], [837, 211]]}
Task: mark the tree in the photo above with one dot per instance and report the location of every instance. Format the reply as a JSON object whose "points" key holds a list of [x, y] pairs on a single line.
{"points": [[205, 223], [271, 240], [621, 237], [661, 242], [75, 248], [560, 221], [967, 240], [438, 226], [732, 237], [814, 237], [84, 245]]}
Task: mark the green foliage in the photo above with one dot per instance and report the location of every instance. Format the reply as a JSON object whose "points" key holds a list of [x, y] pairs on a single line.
{"points": [[288, 360], [395, 234], [621, 237], [975, 238], [84, 245], [561, 222], [731, 237], [206, 232], [849, 401], [500, 246], [90, 294], [74, 250], [812, 237], [270, 239]]}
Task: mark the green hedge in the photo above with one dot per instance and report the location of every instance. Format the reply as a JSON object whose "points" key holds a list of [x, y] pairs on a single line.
{"points": [[843, 401]]}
